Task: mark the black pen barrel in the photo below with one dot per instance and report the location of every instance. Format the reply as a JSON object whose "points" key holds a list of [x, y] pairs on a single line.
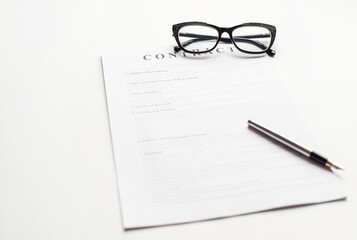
{"points": [[318, 158]]}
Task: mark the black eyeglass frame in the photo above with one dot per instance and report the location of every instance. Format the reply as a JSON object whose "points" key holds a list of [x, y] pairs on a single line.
{"points": [[176, 28]]}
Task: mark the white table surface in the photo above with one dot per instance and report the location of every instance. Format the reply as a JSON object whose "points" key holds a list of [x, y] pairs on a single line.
{"points": [[57, 176]]}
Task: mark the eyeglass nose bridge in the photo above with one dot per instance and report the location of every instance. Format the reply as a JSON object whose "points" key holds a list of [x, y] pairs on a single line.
{"points": [[225, 39], [225, 30]]}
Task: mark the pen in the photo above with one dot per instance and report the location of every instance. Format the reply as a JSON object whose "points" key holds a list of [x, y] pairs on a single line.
{"points": [[293, 146]]}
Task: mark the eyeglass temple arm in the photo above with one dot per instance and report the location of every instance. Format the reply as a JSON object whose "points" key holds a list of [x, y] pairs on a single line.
{"points": [[199, 37], [227, 40]]}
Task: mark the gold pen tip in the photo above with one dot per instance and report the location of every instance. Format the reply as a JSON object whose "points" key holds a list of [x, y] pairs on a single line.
{"points": [[333, 165], [340, 167], [337, 166]]}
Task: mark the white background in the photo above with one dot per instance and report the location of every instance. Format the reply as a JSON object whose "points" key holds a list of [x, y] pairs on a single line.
{"points": [[57, 177]]}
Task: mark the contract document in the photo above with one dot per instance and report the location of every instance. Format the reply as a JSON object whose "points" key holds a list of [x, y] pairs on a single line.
{"points": [[182, 148]]}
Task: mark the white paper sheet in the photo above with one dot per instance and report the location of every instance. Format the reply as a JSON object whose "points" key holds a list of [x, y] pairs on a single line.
{"points": [[182, 148]]}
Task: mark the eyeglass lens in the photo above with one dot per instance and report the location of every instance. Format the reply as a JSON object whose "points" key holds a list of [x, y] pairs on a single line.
{"points": [[252, 38], [198, 38]]}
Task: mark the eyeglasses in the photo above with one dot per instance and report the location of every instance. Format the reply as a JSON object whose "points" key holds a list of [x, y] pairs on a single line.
{"points": [[200, 37]]}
